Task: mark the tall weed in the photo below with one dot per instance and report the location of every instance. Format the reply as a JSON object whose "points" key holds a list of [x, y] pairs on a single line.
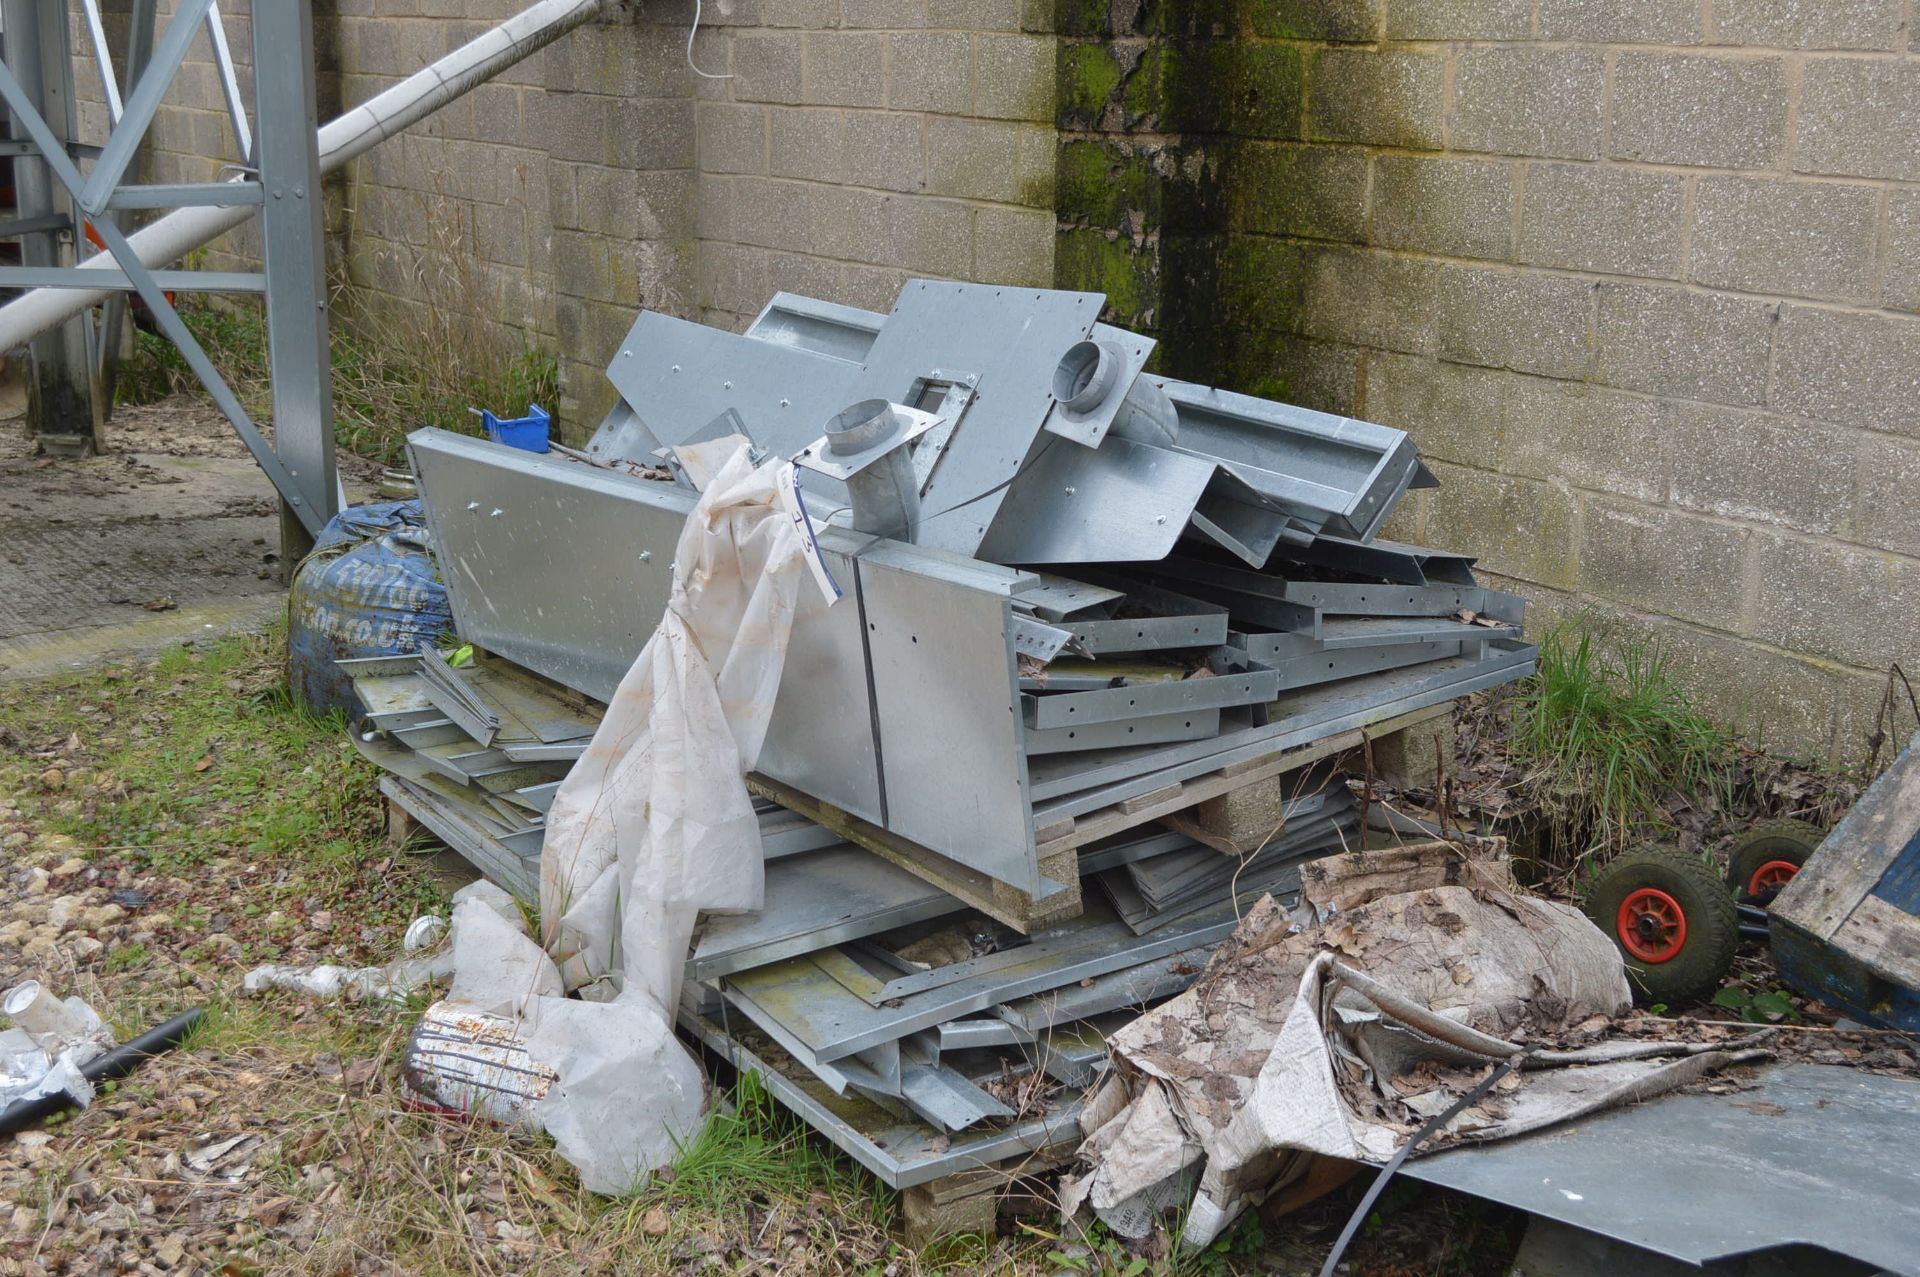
{"points": [[1609, 738]]}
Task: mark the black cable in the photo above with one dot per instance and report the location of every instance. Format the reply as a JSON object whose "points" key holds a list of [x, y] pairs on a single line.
{"points": [[1026, 465], [118, 1062], [1433, 1124]]}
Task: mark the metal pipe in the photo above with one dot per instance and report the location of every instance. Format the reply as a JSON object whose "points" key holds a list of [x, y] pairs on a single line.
{"points": [[883, 493], [346, 138], [118, 1062]]}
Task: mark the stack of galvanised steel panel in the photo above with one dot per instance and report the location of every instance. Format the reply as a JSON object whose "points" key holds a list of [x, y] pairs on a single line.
{"points": [[1108, 597]]}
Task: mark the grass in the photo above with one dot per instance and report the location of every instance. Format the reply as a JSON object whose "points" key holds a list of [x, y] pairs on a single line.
{"points": [[394, 370], [253, 831], [1607, 735]]}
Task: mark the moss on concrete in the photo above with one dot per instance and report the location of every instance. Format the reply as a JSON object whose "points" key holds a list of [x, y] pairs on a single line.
{"points": [[1104, 185], [1087, 75], [1154, 97], [1080, 17], [1269, 89], [1097, 261]]}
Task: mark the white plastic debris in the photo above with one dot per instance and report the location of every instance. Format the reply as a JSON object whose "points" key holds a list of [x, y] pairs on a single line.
{"points": [[475, 1062], [51, 1039], [424, 933], [497, 966], [403, 976], [649, 828]]}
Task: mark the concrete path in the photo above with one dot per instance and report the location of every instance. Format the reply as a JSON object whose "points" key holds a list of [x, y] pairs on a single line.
{"points": [[171, 536]]}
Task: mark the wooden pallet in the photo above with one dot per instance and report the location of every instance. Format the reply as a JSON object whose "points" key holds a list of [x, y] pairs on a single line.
{"points": [[1077, 832], [1846, 929], [407, 815], [1018, 909], [1059, 845], [969, 1203]]}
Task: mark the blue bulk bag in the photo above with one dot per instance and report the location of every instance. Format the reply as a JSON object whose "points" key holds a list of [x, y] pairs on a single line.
{"points": [[370, 587]]}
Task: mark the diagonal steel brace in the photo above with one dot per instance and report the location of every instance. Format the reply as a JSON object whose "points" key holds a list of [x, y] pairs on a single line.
{"points": [[163, 312]]}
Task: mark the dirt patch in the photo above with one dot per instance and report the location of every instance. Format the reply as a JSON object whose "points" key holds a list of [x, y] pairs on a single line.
{"points": [[174, 513]]}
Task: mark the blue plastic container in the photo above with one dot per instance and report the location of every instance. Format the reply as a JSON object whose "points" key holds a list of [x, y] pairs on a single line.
{"points": [[528, 433]]}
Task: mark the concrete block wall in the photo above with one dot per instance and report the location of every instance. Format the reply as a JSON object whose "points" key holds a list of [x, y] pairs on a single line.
{"points": [[1639, 277], [849, 145], [555, 200], [1643, 278], [857, 143]]}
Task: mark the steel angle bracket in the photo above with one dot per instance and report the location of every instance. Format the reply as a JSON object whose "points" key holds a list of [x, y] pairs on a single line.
{"points": [[1140, 700], [828, 1022], [1239, 518], [947, 395], [1037, 639], [941, 1096], [820, 327], [1056, 598], [1151, 729], [517, 874], [834, 1078], [901, 1153], [1075, 788], [1337, 663], [1334, 472], [814, 901], [1389, 560], [1347, 598], [1181, 621]]}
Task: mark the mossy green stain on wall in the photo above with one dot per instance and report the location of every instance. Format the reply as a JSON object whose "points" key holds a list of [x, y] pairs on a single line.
{"points": [[1332, 20], [1080, 17], [1088, 75], [1137, 192], [1268, 89], [1176, 186], [1092, 260], [1102, 184]]}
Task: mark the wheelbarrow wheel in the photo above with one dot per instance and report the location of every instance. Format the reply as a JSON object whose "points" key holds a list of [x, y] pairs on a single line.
{"points": [[1672, 920], [1766, 857]]}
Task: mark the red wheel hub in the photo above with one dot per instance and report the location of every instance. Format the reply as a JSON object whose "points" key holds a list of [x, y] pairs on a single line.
{"points": [[1651, 926], [1771, 876]]}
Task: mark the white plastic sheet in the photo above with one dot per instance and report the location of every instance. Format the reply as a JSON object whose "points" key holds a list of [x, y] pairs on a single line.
{"points": [[425, 958], [1265, 1063], [650, 827]]}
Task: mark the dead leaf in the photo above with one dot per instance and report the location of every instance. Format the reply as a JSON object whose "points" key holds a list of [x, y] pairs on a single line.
{"points": [[204, 763], [228, 1156], [655, 1222], [272, 1212], [354, 1080]]}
